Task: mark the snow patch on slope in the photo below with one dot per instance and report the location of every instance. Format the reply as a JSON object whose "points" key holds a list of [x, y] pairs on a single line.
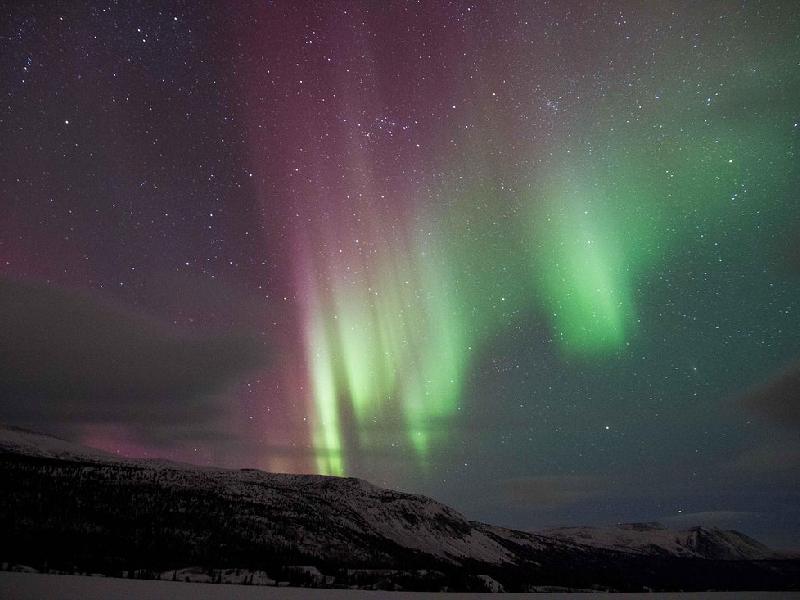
{"points": [[30, 443], [654, 539]]}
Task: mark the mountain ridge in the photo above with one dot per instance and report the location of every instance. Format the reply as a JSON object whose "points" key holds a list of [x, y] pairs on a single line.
{"points": [[697, 541], [77, 508]]}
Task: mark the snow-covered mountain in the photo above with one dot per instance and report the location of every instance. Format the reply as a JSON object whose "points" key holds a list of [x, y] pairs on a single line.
{"points": [[21, 441], [71, 508], [655, 539]]}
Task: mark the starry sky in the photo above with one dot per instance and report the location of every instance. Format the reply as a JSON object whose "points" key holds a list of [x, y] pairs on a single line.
{"points": [[538, 260]]}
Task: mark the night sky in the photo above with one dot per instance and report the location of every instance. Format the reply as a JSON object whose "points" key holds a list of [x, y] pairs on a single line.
{"points": [[538, 260]]}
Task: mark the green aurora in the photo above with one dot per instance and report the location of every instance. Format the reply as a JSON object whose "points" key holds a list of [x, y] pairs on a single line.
{"points": [[392, 333]]}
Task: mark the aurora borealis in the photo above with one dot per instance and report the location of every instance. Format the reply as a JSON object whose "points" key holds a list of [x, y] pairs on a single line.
{"points": [[538, 260]]}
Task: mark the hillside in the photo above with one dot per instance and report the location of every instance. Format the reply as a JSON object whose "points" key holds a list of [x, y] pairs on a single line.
{"points": [[654, 539], [70, 508]]}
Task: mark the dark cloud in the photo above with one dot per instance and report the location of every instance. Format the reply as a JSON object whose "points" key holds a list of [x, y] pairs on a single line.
{"points": [[778, 399], [69, 357], [779, 456]]}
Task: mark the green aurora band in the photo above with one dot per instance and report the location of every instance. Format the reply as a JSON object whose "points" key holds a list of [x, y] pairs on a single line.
{"points": [[394, 337], [391, 333]]}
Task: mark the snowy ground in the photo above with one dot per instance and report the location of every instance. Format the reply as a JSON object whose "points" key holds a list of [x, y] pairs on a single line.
{"points": [[29, 586]]}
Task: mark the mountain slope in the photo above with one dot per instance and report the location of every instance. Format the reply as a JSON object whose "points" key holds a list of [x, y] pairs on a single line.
{"points": [[356, 510], [71, 508], [655, 539], [21, 441]]}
